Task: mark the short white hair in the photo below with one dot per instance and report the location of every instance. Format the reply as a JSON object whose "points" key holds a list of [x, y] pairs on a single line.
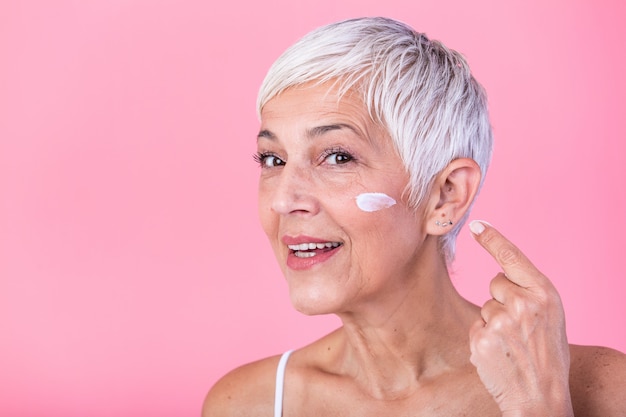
{"points": [[418, 90]]}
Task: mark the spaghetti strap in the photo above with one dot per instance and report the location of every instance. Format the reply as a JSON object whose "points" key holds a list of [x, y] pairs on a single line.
{"points": [[280, 382]]}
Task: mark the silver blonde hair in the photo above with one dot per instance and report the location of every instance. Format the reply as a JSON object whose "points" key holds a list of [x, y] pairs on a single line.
{"points": [[420, 91]]}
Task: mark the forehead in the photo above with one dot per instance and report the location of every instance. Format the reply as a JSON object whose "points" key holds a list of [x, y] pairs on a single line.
{"points": [[313, 95], [306, 106]]}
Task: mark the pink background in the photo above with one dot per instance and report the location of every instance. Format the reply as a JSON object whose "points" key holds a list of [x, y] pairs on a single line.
{"points": [[133, 271]]}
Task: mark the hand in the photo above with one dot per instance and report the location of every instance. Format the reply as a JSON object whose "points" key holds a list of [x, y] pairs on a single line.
{"points": [[519, 347]]}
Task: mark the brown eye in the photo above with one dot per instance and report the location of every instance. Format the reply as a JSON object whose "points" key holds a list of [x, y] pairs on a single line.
{"points": [[272, 161], [338, 158], [268, 160]]}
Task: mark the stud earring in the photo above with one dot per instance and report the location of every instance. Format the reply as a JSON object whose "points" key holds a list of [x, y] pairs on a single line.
{"points": [[444, 224]]}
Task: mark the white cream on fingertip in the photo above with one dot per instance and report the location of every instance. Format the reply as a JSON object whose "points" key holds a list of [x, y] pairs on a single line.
{"points": [[370, 202]]}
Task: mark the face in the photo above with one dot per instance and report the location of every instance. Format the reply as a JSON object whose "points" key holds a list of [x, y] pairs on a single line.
{"points": [[317, 155]]}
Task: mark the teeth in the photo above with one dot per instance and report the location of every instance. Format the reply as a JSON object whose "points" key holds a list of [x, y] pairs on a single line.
{"points": [[311, 246], [305, 254]]}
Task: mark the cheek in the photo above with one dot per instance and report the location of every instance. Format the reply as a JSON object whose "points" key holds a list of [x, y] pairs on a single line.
{"points": [[264, 211], [386, 225], [365, 222]]}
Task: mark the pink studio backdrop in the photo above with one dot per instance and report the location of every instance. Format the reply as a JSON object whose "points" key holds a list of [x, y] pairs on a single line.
{"points": [[133, 272]]}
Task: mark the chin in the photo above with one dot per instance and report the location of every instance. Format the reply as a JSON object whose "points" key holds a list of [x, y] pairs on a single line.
{"points": [[313, 303]]}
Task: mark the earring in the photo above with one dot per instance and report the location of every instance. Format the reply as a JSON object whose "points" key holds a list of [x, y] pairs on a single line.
{"points": [[445, 224]]}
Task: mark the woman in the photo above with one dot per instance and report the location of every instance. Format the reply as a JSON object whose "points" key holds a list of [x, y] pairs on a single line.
{"points": [[374, 141]]}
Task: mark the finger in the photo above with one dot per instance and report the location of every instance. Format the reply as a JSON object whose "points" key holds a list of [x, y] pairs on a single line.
{"points": [[491, 309], [475, 334], [502, 289], [515, 264]]}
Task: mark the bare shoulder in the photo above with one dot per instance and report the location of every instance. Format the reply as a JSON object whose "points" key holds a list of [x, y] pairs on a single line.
{"points": [[597, 381], [245, 391]]}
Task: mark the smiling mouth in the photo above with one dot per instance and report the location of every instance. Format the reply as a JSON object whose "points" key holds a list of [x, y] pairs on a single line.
{"points": [[309, 250]]}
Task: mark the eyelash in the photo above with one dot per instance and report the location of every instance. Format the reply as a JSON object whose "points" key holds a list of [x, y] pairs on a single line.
{"points": [[261, 157], [339, 152]]}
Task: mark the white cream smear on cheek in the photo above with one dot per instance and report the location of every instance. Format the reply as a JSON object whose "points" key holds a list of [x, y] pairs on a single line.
{"points": [[374, 201]]}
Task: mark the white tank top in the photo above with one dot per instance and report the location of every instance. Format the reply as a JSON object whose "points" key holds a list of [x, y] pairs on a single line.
{"points": [[280, 384]]}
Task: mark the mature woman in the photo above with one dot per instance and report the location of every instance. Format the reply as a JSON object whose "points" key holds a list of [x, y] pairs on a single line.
{"points": [[374, 141]]}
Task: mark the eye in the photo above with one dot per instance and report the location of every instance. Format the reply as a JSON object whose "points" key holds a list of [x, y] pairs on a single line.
{"points": [[337, 157], [268, 160]]}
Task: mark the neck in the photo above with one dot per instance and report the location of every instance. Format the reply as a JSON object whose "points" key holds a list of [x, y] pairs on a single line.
{"points": [[408, 335]]}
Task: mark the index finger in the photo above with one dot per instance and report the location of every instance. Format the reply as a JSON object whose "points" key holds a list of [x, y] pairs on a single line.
{"points": [[514, 263]]}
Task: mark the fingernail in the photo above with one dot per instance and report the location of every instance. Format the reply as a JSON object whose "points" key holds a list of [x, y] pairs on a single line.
{"points": [[477, 227]]}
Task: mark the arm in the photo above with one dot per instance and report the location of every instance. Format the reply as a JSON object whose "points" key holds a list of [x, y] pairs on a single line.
{"points": [[598, 381], [245, 391]]}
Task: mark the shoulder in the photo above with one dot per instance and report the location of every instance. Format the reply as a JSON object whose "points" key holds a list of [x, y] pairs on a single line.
{"points": [[597, 381], [247, 390]]}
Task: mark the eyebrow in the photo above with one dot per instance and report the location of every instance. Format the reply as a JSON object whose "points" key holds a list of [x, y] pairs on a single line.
{"points": [[313, 132], [266, 134], [321, 130]]}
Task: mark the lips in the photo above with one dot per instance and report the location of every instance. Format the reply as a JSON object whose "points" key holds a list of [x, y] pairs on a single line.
{"points": [[305, 252], [311, 249]]}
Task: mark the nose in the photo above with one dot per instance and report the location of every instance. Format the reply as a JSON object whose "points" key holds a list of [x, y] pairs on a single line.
{"points": [[294, 192]]}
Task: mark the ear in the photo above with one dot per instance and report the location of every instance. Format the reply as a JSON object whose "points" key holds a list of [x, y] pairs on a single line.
{"points": [[451, 195]]}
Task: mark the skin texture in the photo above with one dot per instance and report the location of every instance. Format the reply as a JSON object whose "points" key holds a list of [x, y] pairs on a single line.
{"points": [[410, 344]]}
